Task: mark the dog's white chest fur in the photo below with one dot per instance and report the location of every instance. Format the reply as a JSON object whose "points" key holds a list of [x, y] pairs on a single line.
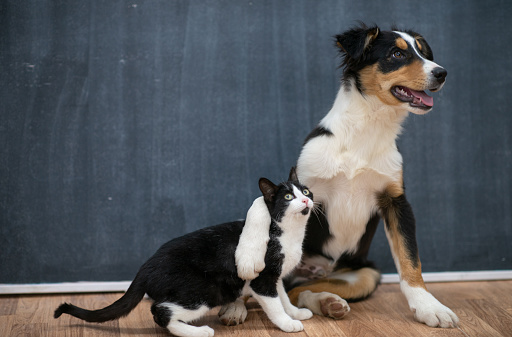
{"points": [[346, 170]]}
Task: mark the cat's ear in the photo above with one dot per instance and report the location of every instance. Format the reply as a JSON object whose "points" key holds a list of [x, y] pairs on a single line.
{"points": [[268, 189], [293, 174]]}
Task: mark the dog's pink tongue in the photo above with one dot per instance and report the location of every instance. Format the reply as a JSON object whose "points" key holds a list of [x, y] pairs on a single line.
{"points": [[423, 97]]}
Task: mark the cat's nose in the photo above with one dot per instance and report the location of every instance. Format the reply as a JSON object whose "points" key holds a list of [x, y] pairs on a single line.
{"points": [[305, 201]]}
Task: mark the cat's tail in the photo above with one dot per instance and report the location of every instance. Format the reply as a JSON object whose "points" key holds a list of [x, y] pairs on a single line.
{"points": [[119, 308]]}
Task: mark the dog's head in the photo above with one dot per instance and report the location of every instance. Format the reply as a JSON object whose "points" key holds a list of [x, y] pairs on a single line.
{"points": [[395, 66]]}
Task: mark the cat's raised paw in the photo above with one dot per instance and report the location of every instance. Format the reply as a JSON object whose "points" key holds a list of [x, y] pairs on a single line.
{"points": [[234, 313]]}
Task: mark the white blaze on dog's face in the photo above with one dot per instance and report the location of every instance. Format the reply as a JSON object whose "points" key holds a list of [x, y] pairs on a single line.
{"points": [[397, 67]]}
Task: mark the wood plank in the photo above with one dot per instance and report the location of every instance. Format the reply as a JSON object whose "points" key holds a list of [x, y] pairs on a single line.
{"points": [[28, 330], [6, 324], [484, 308], [323, 326], [472, 325], [93, 302], [9, 305], [140, 322], [66, 325], [493, 315]]}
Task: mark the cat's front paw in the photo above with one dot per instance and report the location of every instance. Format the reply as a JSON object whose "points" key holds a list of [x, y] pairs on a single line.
{"points": [[205, 331], [233, 313], [291, 325], [302, 314]]}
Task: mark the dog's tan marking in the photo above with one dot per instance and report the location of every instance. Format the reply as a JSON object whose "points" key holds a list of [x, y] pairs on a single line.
{"points": [[409, 272], [367, 281], [372, 35], [400, 43], [376, 83], [417, 39], [394, 189]]}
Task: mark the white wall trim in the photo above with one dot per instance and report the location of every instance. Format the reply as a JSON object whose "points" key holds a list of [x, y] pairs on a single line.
{"points": [[490, 275], [100, 287], [70, 287]]}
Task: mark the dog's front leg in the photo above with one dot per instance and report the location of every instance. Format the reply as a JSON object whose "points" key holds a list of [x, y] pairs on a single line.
{"points": [[401, 233]]}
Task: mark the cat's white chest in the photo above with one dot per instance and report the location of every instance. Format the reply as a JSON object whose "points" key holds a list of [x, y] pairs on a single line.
{"points": [[291, 241]]}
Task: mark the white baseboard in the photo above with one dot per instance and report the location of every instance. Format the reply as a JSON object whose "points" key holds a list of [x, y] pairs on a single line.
{"points": [[491, 275], [101, 287], [69, 287]]}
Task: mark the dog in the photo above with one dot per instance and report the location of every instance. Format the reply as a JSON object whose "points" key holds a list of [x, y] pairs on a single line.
{"points": [[352, 164]]}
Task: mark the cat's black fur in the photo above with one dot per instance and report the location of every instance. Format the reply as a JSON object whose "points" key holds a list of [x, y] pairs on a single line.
{"points": [[199, 268]]}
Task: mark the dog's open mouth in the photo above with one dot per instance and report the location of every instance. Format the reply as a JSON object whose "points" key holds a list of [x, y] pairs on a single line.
{"points": [[416, 99]]}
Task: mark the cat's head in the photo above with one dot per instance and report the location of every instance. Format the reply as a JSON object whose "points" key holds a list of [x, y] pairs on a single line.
{"points": [[289, 198]]}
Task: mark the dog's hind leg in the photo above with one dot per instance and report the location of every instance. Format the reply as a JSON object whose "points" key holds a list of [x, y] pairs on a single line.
{"points": [[354, 279], [326, 296]]}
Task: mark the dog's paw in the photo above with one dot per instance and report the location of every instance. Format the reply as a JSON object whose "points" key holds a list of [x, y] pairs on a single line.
{"points": [[427, 309], [334, 306], [309, 271], [234, 313], [324, 303], [435, 314]]}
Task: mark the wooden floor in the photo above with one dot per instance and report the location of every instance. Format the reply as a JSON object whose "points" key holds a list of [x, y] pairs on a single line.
{"points": [[484, 309]]}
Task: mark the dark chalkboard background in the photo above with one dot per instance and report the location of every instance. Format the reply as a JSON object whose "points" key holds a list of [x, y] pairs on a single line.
{"points": [[126, 123]]}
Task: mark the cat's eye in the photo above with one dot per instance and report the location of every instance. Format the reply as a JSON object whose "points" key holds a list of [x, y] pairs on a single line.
{"points": [[288, 196], [305, 192]]}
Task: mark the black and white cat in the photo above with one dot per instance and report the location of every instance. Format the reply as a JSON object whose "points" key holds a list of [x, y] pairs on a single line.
{"points": [[194, 273]]}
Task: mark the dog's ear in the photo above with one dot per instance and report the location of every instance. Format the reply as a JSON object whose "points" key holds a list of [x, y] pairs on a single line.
{"points": [[355, 41]]}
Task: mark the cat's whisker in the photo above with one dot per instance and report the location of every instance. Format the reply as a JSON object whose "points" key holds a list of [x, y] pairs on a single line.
{"points": [[318, 209], [317, 206]]}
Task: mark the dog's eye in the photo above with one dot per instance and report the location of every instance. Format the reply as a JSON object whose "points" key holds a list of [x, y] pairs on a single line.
{"points": [[398, 55], [288, 196]]}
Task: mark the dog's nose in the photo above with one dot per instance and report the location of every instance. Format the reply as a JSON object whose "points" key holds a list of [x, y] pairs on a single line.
{"points": [[440, 74]]}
